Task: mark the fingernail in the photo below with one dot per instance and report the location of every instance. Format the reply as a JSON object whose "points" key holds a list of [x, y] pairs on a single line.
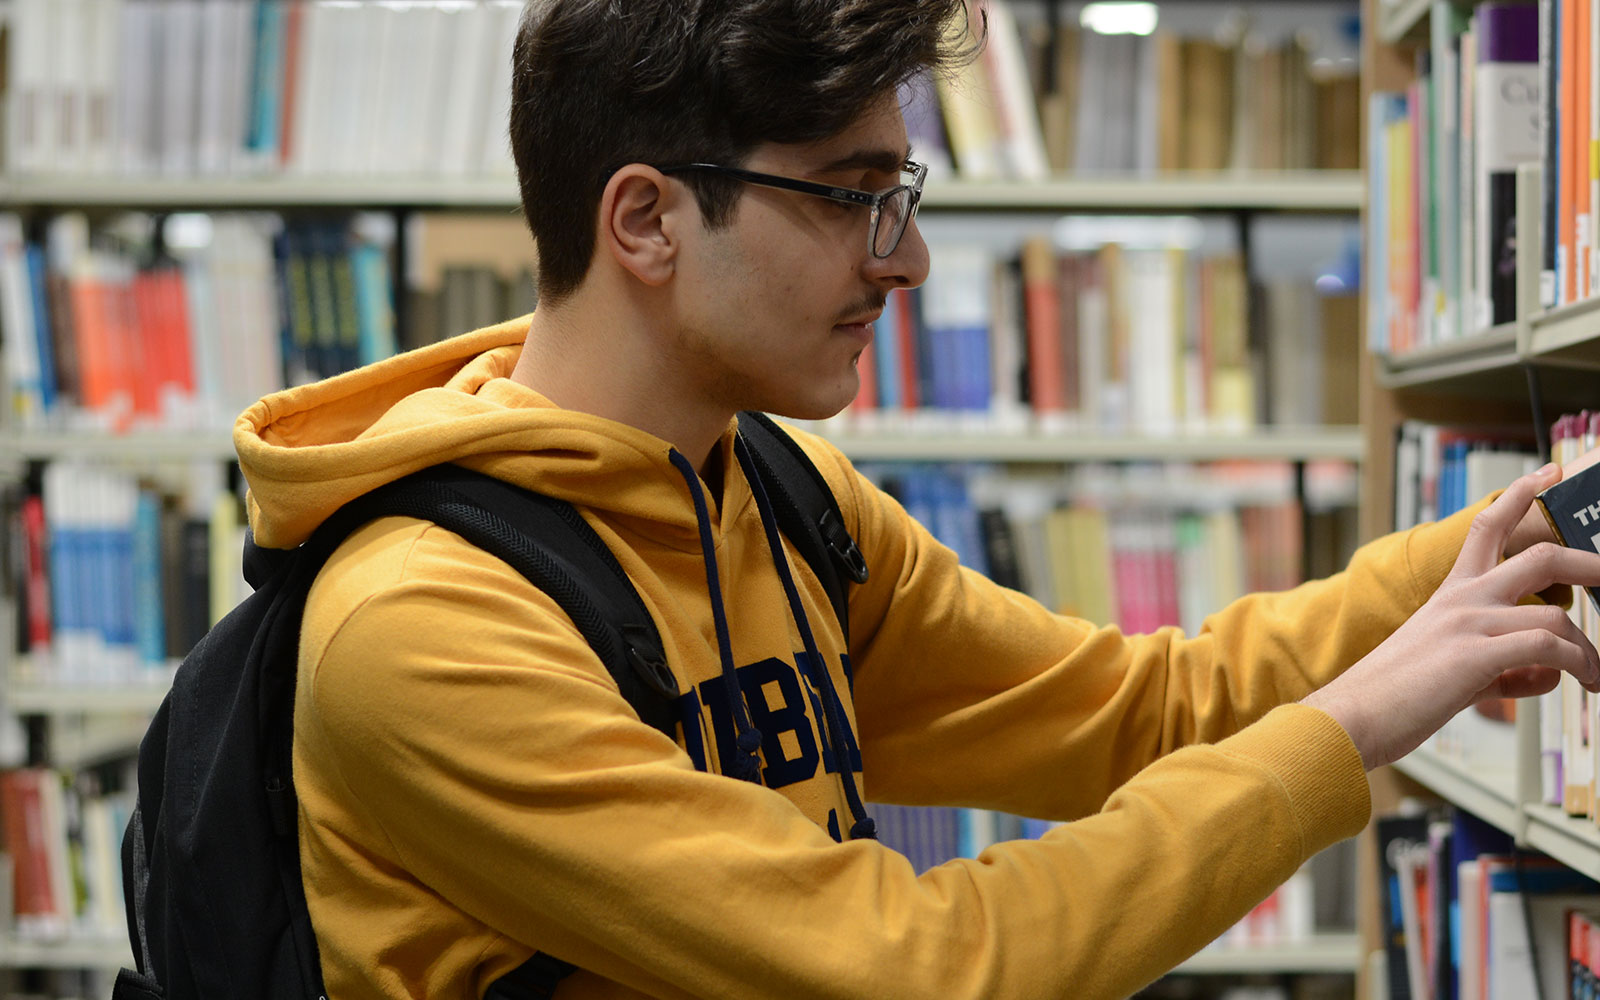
{"points": [[1548, 471]]}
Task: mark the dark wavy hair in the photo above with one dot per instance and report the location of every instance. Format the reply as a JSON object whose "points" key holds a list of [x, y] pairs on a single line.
{"points": [[598, 84]]}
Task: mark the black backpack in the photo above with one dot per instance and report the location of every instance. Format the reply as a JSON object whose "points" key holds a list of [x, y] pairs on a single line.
{"points": [[211, 858]]}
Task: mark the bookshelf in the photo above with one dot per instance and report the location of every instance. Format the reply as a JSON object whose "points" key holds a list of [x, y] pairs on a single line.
{"points": [[932, 444], [1236, 196], [1285, 191], [1539, 362]]}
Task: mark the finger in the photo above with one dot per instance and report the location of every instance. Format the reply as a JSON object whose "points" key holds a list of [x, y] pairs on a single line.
{"points": [[1522, 682], [1540, 567], [1486, 539], [1544, 648]]}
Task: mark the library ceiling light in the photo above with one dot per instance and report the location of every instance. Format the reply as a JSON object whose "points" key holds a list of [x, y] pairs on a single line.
{"points": [[1119, 18]]}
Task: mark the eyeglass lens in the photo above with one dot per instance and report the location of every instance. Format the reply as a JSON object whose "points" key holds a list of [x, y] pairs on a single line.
{"points": [[891, 222]]}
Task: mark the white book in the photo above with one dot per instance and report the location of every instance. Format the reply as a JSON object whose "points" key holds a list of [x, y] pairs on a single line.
{"points": [[1469, 886], [308, 153], [1507, 133], [70, 90], [30, 121], [348, 56], [1022, 138], [1153, 361], [376, 88], [100, 138], [240, 104], [495, 159], [1089, 136], [216, 83], [394, 104], [133, 113], [180, 85], [432, 71], [469, 35], [18, 329]]}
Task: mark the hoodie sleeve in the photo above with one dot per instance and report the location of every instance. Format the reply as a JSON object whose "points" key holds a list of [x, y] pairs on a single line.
{"points": [[494, 794], [969, 693]]}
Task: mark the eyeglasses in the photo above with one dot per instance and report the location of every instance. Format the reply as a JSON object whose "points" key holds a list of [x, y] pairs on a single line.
{"points": [[891, 208]]}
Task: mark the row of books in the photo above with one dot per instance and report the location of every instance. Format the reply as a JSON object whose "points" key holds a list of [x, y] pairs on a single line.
{"points": [[1314, 900], [113, 329], [118, 575], [1442, 178], [1569, 110], [1440, 469], [317, 87], [1060, 98], [60, 834], [1568, 716], [1466, 916], [1114, 338], [1142, 547]]}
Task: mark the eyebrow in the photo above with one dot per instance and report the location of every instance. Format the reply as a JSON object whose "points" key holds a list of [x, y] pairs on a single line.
{"points": [[885, 160]]}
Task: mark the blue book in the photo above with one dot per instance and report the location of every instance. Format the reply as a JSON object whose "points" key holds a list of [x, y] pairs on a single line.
{"points": [[886, 345], [267, 79], [374, 303], [149, 622], [41, 328]]}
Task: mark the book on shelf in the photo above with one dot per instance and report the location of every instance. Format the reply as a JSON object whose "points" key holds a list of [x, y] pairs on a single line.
{"points": [[185, 88], [1109, 337], [1441, 218], [102, 331], [1102, 544], [1569, 111], [61, 833], [1465, 914], [123, 573]]}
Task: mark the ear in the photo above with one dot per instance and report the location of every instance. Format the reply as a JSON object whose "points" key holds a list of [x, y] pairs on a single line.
{"points": [[638, 222]]}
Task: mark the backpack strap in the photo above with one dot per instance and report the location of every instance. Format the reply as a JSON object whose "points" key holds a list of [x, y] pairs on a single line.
{"points": [[549, 543], [806, 509]]}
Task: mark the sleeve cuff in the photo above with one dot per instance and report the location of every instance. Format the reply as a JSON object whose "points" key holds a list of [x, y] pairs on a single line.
{"points": [[1318, 767]]}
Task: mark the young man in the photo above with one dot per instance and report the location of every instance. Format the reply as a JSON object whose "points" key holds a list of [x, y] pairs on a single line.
{"points": [[472, 786]]}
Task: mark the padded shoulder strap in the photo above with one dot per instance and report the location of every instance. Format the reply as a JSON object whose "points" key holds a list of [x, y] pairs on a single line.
{"points": [[549, 543], [807, 511]]}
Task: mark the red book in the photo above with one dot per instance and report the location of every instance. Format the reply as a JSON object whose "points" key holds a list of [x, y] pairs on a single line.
{"points": [[867, 371], [905, 314], [22, 807], [36, 582], [1042, 302]]}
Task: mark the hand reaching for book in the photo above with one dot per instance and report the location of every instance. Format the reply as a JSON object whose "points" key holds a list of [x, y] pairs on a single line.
{"points": [[1471, 640]]}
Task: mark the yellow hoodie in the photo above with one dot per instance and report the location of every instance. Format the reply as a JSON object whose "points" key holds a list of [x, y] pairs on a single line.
{"points": [[473, 787]]}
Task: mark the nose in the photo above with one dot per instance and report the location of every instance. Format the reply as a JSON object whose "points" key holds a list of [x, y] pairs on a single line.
{"points": [[907, 267]]}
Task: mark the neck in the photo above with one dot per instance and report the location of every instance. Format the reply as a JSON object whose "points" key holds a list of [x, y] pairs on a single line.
{"points": [[584, 356]]}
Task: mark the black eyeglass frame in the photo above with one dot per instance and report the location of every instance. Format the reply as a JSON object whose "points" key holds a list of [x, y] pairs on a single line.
{"points": [[850, 196]]}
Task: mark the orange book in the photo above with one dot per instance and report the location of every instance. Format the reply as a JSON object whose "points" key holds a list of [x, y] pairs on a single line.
{"points": [[148, 362], [1566, 256], [1582, 239], [89, 304], [291, 81], [1042, 298], [906, 343], [867, 371]]}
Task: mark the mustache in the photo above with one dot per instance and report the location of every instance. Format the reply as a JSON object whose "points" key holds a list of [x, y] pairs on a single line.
{"points": [[873, 303]]}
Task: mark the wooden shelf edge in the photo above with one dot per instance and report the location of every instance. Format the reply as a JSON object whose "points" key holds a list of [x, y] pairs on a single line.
{"points": [[1322, 953], [1307, 190]]}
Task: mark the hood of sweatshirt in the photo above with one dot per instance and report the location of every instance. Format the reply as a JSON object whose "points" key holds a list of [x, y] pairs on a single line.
{"points": [[307, 451]]}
